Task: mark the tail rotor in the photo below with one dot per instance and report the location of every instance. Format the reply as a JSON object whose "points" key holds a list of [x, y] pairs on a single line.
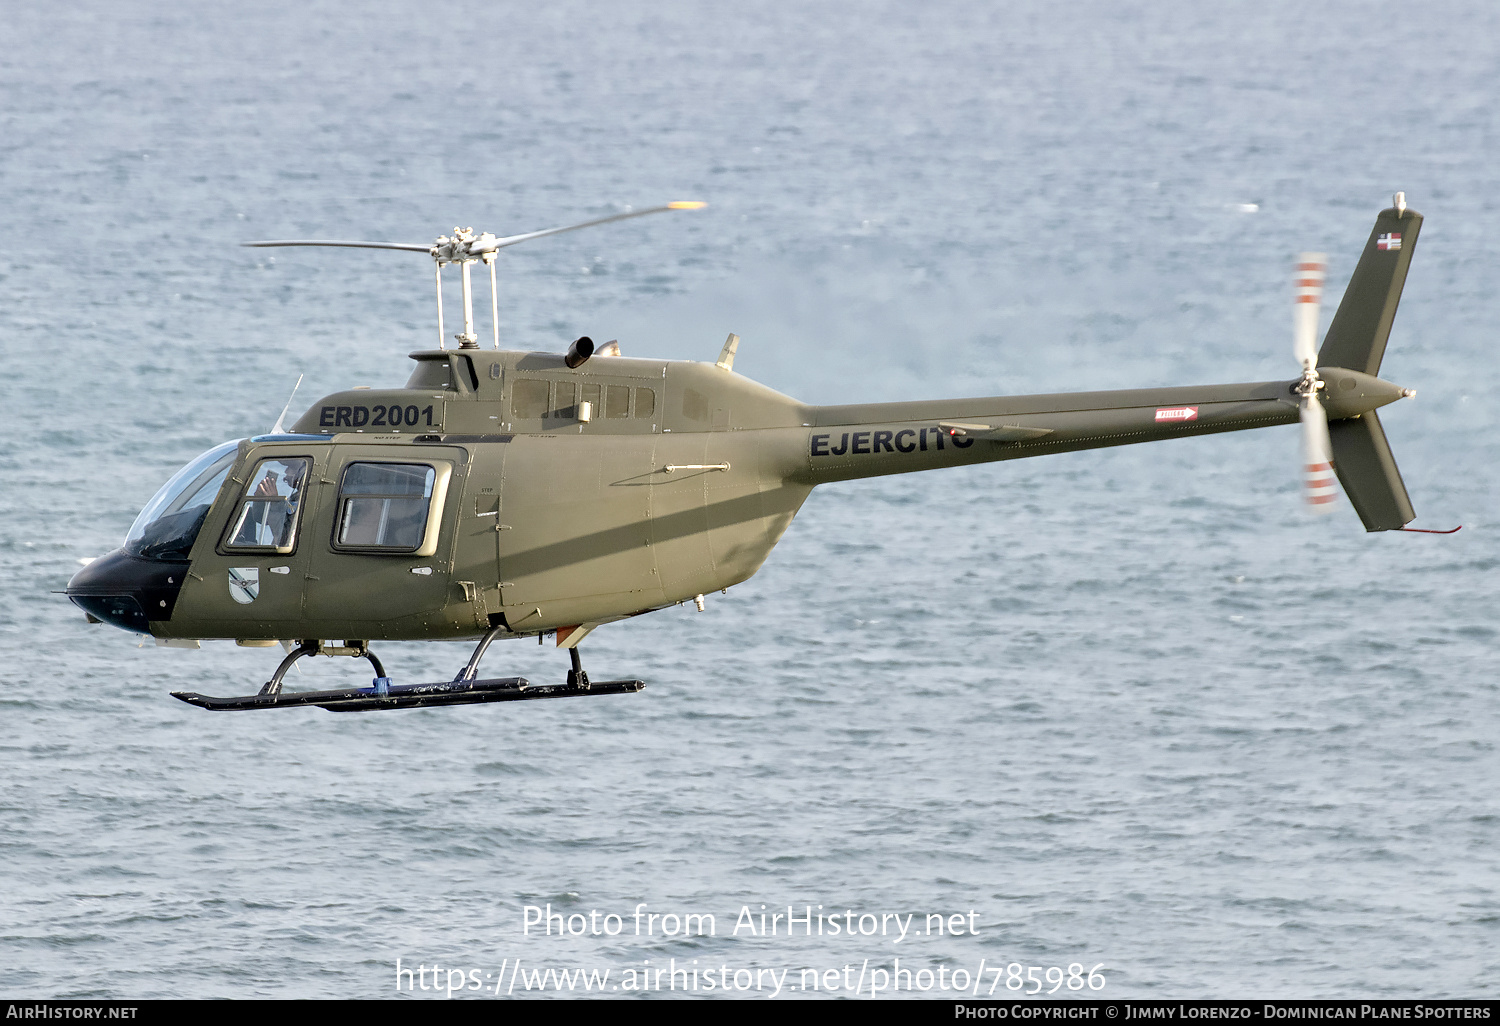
{"points": [[1317, 460]]}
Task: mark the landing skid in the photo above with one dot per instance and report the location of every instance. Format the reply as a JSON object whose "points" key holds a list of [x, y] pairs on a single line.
{"points": [[411, 696], [465, 689]]}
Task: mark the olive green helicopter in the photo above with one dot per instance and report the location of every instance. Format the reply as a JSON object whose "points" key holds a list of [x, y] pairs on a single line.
{"points": [[508, 494]]}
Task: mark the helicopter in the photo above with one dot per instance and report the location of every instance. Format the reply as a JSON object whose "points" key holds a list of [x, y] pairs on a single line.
{"points": [[501, 494]]}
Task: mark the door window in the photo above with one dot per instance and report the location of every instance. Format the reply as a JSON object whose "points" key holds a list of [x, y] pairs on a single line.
{"points": [[385, 506], [268, 511]]}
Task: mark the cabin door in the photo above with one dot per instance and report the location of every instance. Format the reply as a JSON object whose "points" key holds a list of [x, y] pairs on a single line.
{"points": [[382, 548]]}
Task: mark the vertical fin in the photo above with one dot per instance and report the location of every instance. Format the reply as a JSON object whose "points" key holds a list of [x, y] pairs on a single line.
{"points": [[1356, 340], [1363, 461]]}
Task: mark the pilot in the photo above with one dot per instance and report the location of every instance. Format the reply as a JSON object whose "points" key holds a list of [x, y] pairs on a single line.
{"points": [[279, 515]]}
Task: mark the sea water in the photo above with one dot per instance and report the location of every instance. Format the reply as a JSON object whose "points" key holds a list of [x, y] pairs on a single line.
{"points": [[1130, 711]]}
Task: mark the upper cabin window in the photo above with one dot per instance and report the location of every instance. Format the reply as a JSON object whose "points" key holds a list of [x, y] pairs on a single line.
{"points": [[616, 402], [536, 398], [431, 374], [528, 398], [385, 506], [268, 511]]}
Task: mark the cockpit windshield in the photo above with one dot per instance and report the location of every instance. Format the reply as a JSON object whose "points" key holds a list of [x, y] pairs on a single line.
{"points": [[168, 526]]}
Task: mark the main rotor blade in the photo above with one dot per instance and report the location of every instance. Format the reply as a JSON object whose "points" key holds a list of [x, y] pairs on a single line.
{"points": [[1306, 302], [511, 240], [1317, 468], [415, 247], [483, 246]]}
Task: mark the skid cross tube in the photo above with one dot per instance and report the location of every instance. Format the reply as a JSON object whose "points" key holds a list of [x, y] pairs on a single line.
{"points": [[471, 671], [576, 676], [273, 686], [310, 647]]}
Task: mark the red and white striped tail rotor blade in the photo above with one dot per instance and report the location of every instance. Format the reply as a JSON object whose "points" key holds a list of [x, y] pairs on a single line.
{"points": [[1307, 299], [1320, 484]]}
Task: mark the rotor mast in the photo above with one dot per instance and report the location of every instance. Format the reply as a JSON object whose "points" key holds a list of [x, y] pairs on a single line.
{"points": [[460, 249], [466, 249]]}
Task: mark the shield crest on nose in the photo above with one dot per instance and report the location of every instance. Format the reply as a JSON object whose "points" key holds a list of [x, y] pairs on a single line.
{"points": [[244, 583]]}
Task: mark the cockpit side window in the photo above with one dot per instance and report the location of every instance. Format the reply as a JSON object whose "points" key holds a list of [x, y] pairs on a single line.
{"points": [[269, 509]]}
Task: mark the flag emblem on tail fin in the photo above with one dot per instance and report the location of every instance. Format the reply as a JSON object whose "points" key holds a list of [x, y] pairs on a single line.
{"points": [[1390, 240]]}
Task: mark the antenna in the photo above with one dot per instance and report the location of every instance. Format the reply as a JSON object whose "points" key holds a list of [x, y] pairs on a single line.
{"points": [[726, 355], [465, 248]]}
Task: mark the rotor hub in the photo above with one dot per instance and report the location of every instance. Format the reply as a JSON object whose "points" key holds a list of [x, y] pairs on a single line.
{"points": [[459, 247], [1310, 384]]}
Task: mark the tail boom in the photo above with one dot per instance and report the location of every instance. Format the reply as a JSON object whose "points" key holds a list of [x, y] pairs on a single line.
{"points": [[845, 443]]}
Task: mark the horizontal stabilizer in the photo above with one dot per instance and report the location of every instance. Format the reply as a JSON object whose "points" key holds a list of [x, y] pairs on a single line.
{"points": [[1367, 470], [1356, 339]]}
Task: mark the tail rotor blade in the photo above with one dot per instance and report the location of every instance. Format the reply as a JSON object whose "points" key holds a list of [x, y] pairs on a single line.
{"points": [[1317, 468], [1306, 303]]}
